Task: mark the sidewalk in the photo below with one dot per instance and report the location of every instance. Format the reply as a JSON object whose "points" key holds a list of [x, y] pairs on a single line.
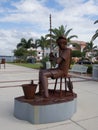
{"points": [[11, 79]]}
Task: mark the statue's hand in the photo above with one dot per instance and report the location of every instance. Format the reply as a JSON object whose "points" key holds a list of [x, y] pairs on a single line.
{"points": [[51, 56]]}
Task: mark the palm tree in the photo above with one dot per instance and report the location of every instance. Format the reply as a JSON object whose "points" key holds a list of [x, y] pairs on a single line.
{"points": [[96, 32], [43, 43], [90, 48], [22, 49], [61, 31], [25, 43], [20, 52]]}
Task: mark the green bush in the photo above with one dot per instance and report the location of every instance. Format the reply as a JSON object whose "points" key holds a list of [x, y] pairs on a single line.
{"points": [[43, 61], [96, 62], [76, 53], [89, 70]]}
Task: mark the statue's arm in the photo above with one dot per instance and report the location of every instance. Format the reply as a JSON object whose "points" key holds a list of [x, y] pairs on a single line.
{"points": [[59, 60], [55, 59]]}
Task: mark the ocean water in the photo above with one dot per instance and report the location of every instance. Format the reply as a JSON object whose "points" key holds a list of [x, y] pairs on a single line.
{"points": [[7, 58]]}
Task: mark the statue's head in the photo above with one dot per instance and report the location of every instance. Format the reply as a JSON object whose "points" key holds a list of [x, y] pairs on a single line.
{"points": [[61, 42]]}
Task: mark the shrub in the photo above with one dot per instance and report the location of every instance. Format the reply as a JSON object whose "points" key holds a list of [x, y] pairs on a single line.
{"points": [[43, 61], [89, 70], [76, 53]]}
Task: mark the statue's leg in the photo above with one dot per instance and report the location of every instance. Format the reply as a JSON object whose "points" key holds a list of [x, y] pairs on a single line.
{"points": [[41, 90], [43, 81]]}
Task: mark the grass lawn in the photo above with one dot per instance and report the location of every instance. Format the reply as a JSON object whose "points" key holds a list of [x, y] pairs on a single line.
{"points": [[29, 65]]}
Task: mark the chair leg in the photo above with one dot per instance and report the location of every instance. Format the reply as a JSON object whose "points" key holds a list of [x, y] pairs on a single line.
{"points": [[4, 66], [70, 85], [61, 86], [55, 84], [65, 85]]}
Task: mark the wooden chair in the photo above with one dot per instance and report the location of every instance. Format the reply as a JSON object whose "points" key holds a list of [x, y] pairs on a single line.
{"points": [[2, 62], [67, 82]]}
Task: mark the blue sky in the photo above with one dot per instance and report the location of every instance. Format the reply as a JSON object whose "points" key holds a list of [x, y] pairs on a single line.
{"points": [[30, 19]]}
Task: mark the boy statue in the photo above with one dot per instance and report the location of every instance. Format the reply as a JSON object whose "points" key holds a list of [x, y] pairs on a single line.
{"points": [[63, 62]]}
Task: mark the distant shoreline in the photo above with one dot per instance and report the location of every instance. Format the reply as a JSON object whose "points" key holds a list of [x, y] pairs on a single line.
{"points": [[8, 58]]}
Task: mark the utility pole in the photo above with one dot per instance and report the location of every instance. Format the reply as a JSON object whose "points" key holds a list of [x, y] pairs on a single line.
{"points": [[50, 34], [48, 63]]}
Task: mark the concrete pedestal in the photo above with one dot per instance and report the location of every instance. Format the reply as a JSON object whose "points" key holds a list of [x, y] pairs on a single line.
{"points": [[37, 114]]}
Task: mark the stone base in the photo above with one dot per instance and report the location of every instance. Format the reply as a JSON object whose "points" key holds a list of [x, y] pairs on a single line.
{"points": [[41, 110]]}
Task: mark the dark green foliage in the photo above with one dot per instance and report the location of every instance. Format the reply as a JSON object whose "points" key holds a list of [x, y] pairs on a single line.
{"points": [[89, 70], [43, 61], [76, 53]]}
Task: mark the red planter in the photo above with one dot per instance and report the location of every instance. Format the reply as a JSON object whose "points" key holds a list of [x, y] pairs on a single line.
{"points": [[29, 90]]}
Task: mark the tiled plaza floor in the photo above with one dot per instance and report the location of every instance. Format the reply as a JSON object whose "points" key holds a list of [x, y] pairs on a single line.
{"points": [[11, 79]]}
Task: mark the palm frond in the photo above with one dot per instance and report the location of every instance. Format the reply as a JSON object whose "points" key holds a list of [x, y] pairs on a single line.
{"points": [[73, 36], [23, 40], [67, 32], [96, 22], [94, 36], [19, 45]]}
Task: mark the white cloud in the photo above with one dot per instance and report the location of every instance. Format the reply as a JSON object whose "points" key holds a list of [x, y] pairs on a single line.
{"points": [[75, 14], [28, 6], [10, 38]]}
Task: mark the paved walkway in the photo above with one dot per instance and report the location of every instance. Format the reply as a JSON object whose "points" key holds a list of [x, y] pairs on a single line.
{"points": [[11, 78]]}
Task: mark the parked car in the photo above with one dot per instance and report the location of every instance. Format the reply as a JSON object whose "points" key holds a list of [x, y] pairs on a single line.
{"points": [[85, 61], [31, 60]]}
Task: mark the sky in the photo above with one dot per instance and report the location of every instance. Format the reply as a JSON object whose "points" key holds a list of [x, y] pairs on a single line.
{"points": [[30, 19]]}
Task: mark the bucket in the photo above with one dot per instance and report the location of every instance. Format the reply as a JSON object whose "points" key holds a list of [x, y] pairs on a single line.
{"points": [[29, 90]]}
